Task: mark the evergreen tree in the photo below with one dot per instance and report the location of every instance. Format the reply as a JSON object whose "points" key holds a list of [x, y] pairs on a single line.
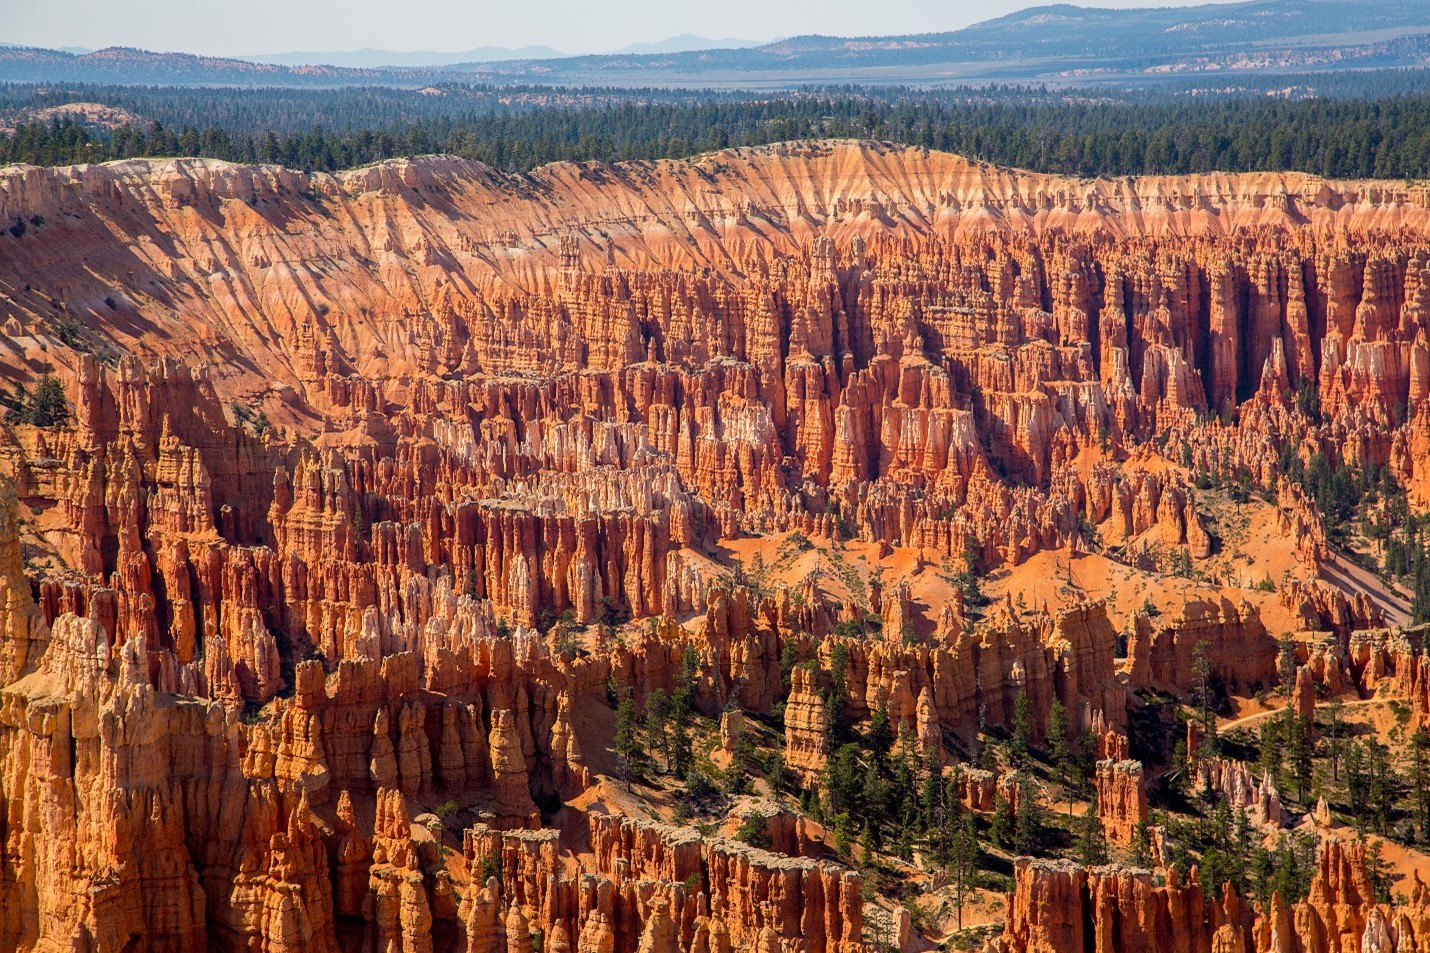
{"points": [[880, 737], [1029, 835], [903, 787], [1379, 871], [15, 403], [627, 742], [1021, 744], [778, 774], [682, 755], [1334, 742], [1383, 789], [1141, 853], [1271, 752], [1204, 691], [1297, 731], [1059, 740], [1357, 782], [969, 581], [1085, 762], [744, 762], [1177, 769], [988, 757], [789, 658], [836, 720], [842, 829], [933, 803], [871, 841], [1244, 841], [1372, 129], [1417, 760], [963, 865], [46, 407], [657, 725], [842, 782], [49, 408], [874, 796], [1091, 839], [1216, 868], [1000, 829]]}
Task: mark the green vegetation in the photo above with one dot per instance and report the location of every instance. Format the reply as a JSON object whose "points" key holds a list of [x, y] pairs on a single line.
{"points": [[46, 407], [754, 831], [1121, 134], [627, 743]]}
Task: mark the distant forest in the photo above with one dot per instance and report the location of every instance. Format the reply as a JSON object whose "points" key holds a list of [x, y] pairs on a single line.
{"points": [[1082, 133]]}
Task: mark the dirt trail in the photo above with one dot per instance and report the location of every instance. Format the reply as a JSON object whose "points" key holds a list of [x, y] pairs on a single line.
{"points": [[1247, 720]]}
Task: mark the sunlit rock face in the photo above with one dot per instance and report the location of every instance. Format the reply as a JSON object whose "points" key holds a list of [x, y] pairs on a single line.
{"points": [[341, 450]]}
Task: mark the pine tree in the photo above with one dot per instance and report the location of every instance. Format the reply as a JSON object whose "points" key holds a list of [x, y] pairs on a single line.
{"points": [[1272, 752], [1020, 747], [1059, 740], [1029, 835], [1379, 871], [627, 742], [657, 724], [1085, 763], [842, 827], [1177, 769], [871, 841], [837, 730], [1091, 839], [1298, 748], [48, 407], [1205, 695], [789, 658], [682, 755], [988, 756], [1334, 742], [1000, 829], [963, 865], [1417, 761], [1357, 782], [1383, 791], [1141, 847], [879, 739], [932, 808], [875, 795], [16, 404]]}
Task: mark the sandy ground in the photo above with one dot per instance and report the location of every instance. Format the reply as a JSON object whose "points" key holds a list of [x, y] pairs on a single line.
{"points": [[1251, 555]]}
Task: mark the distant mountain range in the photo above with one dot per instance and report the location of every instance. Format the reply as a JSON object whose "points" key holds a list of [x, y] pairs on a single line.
{"points": [[685, 43], [377, 59], [372, 59], [1060, 44]]}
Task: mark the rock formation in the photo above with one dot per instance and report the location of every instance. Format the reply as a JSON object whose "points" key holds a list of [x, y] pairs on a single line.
{"points": [[1121, 800], [375, 484], [1058, 906], [1235, 783]]}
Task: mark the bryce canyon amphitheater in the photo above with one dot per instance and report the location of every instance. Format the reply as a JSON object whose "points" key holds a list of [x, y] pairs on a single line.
{"points": [[385, 497]]}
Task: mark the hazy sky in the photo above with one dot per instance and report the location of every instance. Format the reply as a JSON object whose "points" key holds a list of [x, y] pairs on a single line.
{"points": [[275, 26]]}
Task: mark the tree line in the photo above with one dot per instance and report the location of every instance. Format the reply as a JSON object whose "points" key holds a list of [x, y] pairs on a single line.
{"points": [[1380, 138]]}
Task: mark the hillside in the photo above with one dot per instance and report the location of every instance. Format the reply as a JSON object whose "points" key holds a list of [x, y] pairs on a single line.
{"points": [[1063, 45]]}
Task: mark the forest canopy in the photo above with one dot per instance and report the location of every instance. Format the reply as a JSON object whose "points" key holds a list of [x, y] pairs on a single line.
{"points": [[1085, 135]]}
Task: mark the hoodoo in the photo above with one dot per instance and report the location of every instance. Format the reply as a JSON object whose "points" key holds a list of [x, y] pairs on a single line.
{"points": [[817, 548]]}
